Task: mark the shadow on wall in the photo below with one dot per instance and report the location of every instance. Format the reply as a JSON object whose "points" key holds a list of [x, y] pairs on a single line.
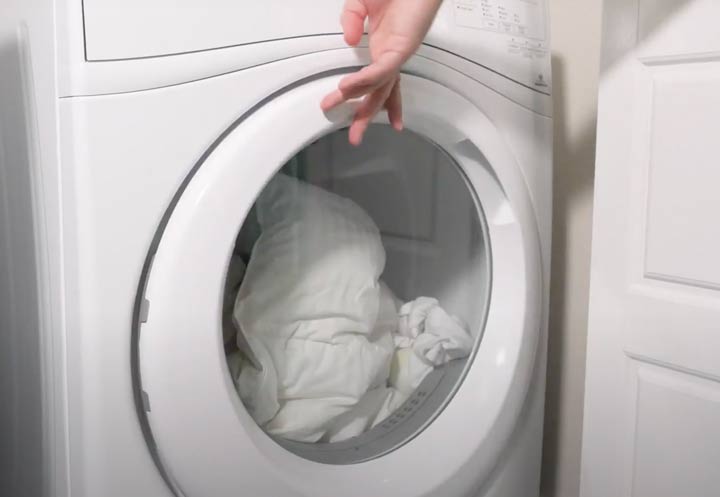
{"points": [[573, 184], [572, 181], [653, 15], [20, 385]]}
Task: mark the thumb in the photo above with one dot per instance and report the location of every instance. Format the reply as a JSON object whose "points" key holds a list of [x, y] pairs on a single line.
{"points": [[353, 20]]}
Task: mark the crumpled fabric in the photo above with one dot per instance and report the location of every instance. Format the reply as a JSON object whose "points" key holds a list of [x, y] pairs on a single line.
{"points": [[435, 336], [336, 354]]}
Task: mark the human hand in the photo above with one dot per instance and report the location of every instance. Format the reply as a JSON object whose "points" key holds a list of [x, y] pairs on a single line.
{"points": [[396, 28]]}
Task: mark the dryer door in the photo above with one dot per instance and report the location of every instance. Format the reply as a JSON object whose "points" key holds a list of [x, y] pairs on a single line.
{"points": [[440, 210]]}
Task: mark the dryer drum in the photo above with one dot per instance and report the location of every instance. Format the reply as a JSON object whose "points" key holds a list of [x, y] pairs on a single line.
{"points": [[356, 294]]}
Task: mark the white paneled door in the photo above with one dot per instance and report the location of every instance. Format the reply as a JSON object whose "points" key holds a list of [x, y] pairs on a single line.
{"points": [[652, 406]]}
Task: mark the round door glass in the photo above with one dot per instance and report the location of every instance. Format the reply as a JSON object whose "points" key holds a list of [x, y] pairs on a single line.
{"points": [[356, 295]]}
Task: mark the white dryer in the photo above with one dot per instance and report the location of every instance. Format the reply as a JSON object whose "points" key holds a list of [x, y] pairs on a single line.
{"points": [[172, 119]]}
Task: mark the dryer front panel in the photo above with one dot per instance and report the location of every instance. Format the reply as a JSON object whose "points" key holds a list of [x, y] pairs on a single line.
{"points": [[288, 279]]}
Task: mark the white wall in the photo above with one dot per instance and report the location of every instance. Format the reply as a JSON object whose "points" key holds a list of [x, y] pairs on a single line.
{"points": [[575, 37]]}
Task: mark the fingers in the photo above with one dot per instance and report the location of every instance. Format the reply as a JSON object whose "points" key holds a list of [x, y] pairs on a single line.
{"points": [[388, 95], [339, 96], [352, 20], [366, 81], [378, 73], [367, 110], [332, 100], [394, 106]]}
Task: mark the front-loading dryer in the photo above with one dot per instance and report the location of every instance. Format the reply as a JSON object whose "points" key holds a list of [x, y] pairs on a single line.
{"points": [[174, 121]]}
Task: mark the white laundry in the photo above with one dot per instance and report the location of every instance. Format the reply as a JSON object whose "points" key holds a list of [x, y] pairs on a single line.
{"points": [[435, 336], [427, 337], [308, 307], [336, 354]]}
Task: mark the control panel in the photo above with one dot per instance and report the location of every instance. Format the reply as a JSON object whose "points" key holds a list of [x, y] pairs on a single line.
{"points": [[508, 36], [523, 18]]}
